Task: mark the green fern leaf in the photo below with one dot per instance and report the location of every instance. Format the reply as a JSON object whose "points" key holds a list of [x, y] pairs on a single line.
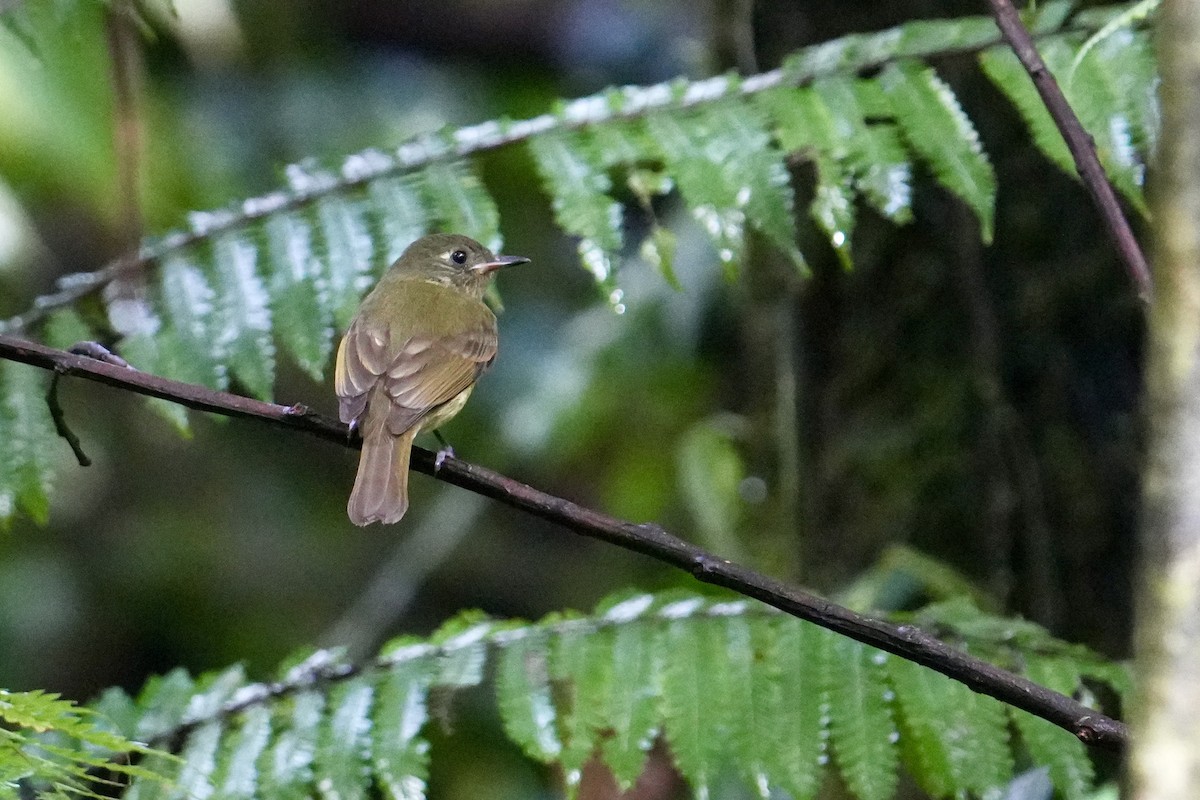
{"points": [[729, 172], [238, 774], [800, 653], [956, 739], [196, 353], [696, 691], [342, 772], [758, 700], [575, 666], [199, 756], [300, 304], [580, 189], [1000, 64], [348, 251], [862, 729], [1125, 63], [464, 642], [523, 695], [632, 721], [158, 352], [286, 770], [807, 125], [458, 200], [401, 212], [242, 314], [937, 129], [1096, 93], [1065, 756], [399, 754], [164, 701], [27, 469], [876, 152]]}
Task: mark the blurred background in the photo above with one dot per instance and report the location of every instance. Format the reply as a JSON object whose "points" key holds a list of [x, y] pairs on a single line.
{"points": [[944, 418]]}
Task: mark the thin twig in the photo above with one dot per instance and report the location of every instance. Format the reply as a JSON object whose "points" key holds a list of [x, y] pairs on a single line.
{"points": [[1079, 142], [60, 421], [905, 641]]}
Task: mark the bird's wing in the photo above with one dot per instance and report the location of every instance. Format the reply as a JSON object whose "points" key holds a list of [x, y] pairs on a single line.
{"points": [[418, 371]]}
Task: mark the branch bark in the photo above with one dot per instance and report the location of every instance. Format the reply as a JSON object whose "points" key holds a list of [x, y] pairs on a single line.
{"points": [[1079, 142], [905, 641]]}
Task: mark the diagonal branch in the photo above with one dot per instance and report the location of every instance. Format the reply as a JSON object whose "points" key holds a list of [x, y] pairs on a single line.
{"points": [[1079, 142], [905, 641]]}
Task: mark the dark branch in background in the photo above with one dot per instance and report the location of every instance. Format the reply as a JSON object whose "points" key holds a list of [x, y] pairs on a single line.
{"points": [[1079, 142], [649, 539]]}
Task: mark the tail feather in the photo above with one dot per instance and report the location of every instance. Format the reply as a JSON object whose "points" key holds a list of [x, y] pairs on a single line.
{"points": [[381, 486]]}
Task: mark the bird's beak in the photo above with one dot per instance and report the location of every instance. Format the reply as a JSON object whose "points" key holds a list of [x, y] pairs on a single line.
{"points": [[489, 267]]}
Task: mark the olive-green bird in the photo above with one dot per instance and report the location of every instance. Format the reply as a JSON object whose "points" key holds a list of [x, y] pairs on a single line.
{"points": [[410, 359]]}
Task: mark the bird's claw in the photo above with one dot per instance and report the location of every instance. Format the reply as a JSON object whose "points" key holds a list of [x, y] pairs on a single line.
{"points": [[441, 456]]}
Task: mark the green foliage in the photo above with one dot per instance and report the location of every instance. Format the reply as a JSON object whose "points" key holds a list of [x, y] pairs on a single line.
{"points": [[52, 742], [734, 689], [285, 271]]}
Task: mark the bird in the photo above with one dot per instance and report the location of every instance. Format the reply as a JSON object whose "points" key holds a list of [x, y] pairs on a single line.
{"points": [[410, 359]]}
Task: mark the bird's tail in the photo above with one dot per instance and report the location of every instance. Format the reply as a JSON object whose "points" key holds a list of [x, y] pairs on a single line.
{"points": [[381, 485]]}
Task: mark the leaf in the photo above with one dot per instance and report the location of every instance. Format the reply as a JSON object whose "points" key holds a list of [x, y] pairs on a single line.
{"points": [[523, 695], [729, 172], [576, 667], [341, 768], [27, 467], [1070, 768], [199, 756], [348, 251], [580, 189], [632, 723], [937, 129], [300, 302], [163, 701], [157, 352], [862, 729], [399, 754], [238, 777], [401, 210], [807, 126], [1095, 93], [242, 315], [192, 351], [1000, 64], [286, 770], [460, 202], [696, 703], [958, 739], [464, 651], [800, 653]]}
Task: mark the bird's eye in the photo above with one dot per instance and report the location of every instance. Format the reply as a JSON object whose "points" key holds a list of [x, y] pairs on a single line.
{"points": [[459, 256]]}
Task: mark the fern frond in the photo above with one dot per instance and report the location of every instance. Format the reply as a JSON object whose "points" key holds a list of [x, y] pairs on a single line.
{"points": [[27, 468], [706, 676], [581, 200], [926, 109], [46, 740], [286, 270], [862, 720]]}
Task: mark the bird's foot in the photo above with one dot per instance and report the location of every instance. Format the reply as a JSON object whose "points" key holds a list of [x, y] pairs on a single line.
{"points": [[445, 452]]}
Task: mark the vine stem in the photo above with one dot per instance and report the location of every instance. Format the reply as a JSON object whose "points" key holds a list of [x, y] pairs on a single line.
{"points": [[905, 641], [1079, 142]]}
